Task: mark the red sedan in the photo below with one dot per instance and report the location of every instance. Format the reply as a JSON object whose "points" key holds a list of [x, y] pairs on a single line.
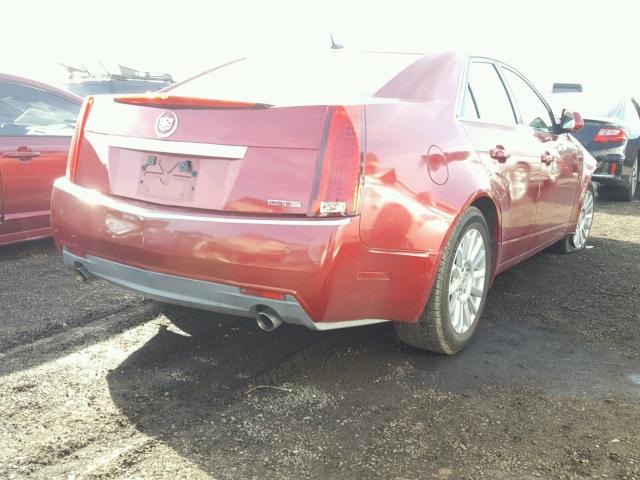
{"points": [[36, 124], [335, 191]]}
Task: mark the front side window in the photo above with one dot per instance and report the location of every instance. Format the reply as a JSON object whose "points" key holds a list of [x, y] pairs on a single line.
{"points": [[27, 111], [490, 99], [533, 111]]}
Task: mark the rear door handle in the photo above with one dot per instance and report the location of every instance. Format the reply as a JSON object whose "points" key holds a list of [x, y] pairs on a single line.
{"points": [[546, 158], [21, 154], [499, 154]]}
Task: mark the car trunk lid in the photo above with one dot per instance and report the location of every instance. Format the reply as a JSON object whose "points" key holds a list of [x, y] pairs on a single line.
{"points": [[233, 157]]}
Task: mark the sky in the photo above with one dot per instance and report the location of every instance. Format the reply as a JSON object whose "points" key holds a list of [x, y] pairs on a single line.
{"points": [[594, 43]]}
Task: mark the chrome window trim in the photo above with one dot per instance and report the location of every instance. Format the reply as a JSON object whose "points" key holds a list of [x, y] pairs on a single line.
{"points": [[503, 66], [465, 82], [154, 145]]}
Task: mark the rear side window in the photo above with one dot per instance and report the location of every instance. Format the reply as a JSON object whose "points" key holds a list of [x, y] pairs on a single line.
{"points": [[277, 80], [31, 111], [487, 92], [533, 111]]}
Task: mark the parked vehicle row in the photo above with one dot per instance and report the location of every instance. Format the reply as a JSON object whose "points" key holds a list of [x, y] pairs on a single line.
{"points": [[338, 190], [116, 79], [36, 124], [612, 135]]}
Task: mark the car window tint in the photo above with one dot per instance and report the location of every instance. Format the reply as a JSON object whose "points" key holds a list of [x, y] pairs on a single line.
{"points": [[533, 111], [32, 111], [490, 96], [469, 109]]}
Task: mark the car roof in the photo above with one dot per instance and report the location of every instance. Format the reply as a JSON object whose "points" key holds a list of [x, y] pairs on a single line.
{"points": [[5, 77]]}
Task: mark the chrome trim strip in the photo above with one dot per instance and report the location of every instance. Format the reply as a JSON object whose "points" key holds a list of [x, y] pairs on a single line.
{"points": [[39, 213], [324, 326], [97, 198], [197, 149], [215, 297]]}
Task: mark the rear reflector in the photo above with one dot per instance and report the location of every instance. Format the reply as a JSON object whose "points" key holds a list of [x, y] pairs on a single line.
{"points": [[610, 135], [614, 168], [339, 169], [76, 139], [373, 275], [256, 292], [168, 101]]}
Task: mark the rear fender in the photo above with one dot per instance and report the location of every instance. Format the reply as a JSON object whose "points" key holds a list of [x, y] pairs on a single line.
{"points": [[495, 232]]}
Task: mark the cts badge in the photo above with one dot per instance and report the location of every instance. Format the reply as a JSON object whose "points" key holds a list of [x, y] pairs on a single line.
{"points": [[284, 203], [166, 124]]}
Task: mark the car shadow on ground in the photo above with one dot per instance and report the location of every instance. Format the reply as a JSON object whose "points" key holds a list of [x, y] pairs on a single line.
{"points": [[43, 307], [543, 330]]}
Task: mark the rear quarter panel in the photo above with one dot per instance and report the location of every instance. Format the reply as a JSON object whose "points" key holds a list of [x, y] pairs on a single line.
{"points": [[403, 208]]}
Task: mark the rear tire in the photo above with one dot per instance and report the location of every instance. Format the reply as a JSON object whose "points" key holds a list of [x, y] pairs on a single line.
{"points": [[456, 290]]}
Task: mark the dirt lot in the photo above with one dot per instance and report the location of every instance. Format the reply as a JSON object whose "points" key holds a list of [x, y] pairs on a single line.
{"points": [[97, 382]]}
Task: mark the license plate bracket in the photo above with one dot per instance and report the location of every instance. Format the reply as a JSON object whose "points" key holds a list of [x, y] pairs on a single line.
{"points": [[167, 177]]}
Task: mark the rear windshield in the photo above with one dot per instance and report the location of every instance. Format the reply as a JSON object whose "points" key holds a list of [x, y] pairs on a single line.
{"points": [[326, 78]]}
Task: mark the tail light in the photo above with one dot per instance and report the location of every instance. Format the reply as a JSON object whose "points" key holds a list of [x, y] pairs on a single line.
{"points": [[169, 101], [76, 139], [610, 135], [340, 164]]}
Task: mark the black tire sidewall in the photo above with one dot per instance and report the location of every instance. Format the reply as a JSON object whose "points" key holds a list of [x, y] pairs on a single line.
{"points": [[458, 340]]}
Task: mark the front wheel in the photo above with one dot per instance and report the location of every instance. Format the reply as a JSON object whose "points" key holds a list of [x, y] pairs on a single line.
{"points": [[578, 241], [451, 316]]}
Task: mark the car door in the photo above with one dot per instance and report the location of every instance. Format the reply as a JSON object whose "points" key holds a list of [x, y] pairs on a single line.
{"points": [[490, 121], [558, 156], [35, 132]]}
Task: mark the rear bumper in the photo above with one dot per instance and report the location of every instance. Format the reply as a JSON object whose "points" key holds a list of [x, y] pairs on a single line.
{"points": [[611, 170], [325, 275], [609, 180], [187, 292]]}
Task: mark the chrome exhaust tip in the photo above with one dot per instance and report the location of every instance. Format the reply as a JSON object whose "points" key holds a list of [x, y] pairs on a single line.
{"points": [[82, 274], [268, 320]]}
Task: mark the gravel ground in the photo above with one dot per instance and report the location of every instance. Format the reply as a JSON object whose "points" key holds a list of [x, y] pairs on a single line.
{"points": [[99, 383]]}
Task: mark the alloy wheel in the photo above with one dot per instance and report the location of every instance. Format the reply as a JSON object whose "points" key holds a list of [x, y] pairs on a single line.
{"points": [[467, 281], [585, 221]]}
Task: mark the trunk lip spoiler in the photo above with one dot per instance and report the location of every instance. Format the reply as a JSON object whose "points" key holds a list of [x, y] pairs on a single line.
{"points": [[156, 145], [164, 100]]}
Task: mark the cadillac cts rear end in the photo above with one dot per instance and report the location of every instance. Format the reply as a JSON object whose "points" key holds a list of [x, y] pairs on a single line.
{"points": [[226, 204], [331, 191]]}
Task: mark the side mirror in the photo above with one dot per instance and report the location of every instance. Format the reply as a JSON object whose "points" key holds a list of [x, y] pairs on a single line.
{"points": [[571, 121]]}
